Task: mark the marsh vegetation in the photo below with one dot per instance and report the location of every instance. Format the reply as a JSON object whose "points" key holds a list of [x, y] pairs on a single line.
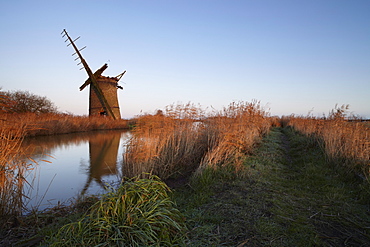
{"points": [[288, 194], [183, 139], [243, 178], [344, 142]]}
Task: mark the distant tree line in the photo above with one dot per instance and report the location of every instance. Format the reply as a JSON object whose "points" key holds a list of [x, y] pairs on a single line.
{"points": [[23, 101]]}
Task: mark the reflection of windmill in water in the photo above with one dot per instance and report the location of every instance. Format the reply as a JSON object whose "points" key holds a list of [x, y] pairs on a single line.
{"points": [[103, 150], [103, 90]]}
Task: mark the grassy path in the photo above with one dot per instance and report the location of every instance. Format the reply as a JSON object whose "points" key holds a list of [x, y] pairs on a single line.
{"points": [[288, 195]]}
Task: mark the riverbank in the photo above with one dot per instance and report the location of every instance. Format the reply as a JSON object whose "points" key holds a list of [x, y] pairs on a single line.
{"points": [[285, 194], [33, 124]]}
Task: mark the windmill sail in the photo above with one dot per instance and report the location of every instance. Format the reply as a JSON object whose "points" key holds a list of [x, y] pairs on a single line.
{"points": [[101, 105]]}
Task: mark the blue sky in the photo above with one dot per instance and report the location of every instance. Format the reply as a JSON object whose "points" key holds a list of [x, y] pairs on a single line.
{"points": [[293, 56]]}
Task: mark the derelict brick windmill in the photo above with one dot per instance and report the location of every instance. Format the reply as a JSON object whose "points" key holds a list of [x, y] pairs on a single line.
{"points": [[103, 98]]}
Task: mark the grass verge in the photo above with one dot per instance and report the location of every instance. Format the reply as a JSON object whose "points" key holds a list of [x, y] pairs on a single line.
{"points": [[287, 195]]}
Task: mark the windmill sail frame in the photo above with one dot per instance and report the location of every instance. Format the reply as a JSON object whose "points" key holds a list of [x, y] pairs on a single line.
{"points": [[92, 80]]}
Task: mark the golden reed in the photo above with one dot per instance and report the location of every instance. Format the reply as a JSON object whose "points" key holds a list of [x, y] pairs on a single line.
{"points": [[184, 138], [344, 141]]}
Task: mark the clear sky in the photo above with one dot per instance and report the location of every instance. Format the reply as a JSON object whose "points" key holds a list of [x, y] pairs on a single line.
{"points": [[294, 56]]}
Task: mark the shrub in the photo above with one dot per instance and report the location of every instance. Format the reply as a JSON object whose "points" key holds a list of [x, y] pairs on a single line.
{"points": [[24, 101]]}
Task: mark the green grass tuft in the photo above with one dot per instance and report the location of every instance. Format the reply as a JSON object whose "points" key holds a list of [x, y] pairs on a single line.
{"points": [[139, 213]]}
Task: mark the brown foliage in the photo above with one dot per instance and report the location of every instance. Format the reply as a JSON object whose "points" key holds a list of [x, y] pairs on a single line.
{"points": [[51, 124], [12, 169], [344, 141], [24, 101], [183, 138]]}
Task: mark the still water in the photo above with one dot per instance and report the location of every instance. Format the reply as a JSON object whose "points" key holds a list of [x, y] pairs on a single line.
{"points": [[72, 165]]}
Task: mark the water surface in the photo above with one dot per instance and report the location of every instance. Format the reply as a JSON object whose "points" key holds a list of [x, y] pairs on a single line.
{"points": [[72, 165]]}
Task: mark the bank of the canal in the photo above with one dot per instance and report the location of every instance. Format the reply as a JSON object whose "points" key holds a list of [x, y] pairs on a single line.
{"points": [[287, 194]]}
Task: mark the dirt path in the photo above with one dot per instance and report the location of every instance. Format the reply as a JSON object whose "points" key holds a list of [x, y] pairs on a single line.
{"points": [[291, 197]]}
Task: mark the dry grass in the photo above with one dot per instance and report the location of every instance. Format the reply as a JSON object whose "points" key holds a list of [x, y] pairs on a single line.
{"points": [[184, 137], [51, 124], [164, 144], [12, 170], [344, 141], [232, 133]]}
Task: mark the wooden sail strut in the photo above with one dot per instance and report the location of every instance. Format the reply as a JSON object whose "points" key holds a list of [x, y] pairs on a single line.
{"points": [[92, 78]]}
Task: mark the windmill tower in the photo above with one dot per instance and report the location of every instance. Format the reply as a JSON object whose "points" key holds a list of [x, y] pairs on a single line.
{"points": [[103, 98]]}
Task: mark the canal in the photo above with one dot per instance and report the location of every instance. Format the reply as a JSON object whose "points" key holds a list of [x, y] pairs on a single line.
{"points": [[65, 167]]}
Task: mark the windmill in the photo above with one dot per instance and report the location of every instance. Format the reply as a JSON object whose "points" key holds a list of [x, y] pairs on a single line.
{"points": [[103, 98]]}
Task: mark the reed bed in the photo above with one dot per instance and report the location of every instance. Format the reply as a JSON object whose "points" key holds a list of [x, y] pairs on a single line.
{"points": [[184, 138], [51, 124], [345, 142], [165, 144], [12, 169], [232, 133]]}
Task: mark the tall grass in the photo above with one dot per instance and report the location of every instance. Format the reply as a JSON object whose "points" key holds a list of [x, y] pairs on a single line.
{"points": [[51, 124], [232, 133], [139, 213], [184, 137], [345, 142], [165, 144], [12, 168]]}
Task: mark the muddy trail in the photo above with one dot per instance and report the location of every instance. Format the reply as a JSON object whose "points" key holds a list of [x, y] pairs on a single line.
{"points": [[289, 195]]}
